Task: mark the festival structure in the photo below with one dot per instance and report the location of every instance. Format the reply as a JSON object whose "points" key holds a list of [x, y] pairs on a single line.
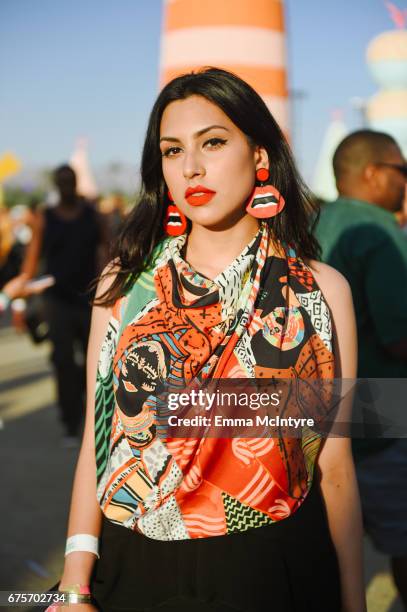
{"points": [[387, 60], [86, 185], [237, 35], [323, 180]]}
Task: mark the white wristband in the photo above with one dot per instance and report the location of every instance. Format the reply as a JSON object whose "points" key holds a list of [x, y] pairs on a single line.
{"points": [[82, 542], [19, 305]]}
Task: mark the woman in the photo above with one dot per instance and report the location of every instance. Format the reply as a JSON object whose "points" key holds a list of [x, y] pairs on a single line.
{"points": [[231, 524]]}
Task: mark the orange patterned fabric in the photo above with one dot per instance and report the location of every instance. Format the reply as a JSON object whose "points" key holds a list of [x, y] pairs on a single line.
{"points": [[263, 318]]}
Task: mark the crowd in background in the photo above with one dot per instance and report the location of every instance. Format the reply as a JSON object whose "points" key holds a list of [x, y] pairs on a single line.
{"points": [[363, 235], [68, 241]]}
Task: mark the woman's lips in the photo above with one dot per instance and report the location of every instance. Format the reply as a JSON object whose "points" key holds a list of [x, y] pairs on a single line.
{"points": [[198, 199], [199, 195]]}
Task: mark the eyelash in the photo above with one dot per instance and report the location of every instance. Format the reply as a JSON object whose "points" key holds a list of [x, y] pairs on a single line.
{"points": [[217, 141]]}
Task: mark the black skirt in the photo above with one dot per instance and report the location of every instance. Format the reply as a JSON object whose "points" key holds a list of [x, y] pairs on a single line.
{"points": [[290, 566]]}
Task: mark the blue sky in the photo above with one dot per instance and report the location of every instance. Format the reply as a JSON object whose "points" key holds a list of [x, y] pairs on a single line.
{"points": [[90, 67]]}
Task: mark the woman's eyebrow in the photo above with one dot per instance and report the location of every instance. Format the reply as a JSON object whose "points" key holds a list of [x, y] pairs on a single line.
{"points": [[197, 134]]}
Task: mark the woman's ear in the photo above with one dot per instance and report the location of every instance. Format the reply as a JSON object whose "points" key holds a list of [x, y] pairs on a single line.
{"points": [[261, 158]]}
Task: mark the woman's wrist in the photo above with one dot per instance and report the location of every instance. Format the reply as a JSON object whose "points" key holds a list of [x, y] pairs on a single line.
{"points": [[75, 587], [67, 585], [78, 569]]}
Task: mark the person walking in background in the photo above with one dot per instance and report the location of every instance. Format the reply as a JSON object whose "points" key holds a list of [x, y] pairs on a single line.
{"points": [[361, 238], [69, 241]]}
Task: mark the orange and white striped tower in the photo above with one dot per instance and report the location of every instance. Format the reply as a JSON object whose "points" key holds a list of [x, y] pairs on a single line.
{"points": [[246, 37]]}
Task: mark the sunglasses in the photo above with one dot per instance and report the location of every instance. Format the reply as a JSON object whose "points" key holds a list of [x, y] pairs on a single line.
{"points": [[400, 167]]}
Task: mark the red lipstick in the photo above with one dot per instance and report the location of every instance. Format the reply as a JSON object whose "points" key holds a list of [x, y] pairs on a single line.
{"points": [[199, 195]]}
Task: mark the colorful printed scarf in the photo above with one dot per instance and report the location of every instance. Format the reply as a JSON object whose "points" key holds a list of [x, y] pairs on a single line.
{"points": [[263, 317]]}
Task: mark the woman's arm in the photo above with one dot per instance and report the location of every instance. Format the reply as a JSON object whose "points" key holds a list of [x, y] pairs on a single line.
{"points": [[85, 514], [33, 252], [335, 464], [29, 266]]}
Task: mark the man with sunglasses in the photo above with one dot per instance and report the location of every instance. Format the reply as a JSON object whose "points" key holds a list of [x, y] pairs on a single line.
{"points": [[360, 237]]}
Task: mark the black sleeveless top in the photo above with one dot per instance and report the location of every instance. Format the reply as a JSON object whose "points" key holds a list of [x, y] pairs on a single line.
{"points": [[69, 251]]}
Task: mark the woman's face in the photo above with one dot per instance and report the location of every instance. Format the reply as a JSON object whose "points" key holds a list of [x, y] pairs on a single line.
{"points": [[202, 148]]}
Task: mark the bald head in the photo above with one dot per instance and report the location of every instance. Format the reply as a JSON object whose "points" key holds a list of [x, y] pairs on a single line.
{"points": [[358, 150], [363, 167]]}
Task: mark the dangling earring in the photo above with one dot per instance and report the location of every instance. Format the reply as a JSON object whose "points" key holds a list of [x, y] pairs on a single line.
{"points": [[175, 223], [265, 201]]}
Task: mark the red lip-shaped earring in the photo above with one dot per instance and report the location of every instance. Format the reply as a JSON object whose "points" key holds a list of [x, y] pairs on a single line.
{"points": [[265, 201], [175, 223]]}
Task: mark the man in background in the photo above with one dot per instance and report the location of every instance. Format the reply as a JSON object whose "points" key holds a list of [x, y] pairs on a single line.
{"points": [[361, 238], [68, 240]]}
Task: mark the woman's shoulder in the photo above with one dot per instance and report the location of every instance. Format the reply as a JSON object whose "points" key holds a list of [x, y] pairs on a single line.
{"points": [[333, 285], [338, 295], [108, 276]]}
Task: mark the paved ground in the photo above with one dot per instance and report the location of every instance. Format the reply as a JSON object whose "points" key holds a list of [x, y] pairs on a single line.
{"points": [[36, 477]]}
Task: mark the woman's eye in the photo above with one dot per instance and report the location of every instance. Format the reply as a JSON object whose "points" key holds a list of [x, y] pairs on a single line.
{"points": [[170, 152], [215, 143]]}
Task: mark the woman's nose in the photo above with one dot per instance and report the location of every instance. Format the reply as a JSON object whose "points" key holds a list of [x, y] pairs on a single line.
{"points": [[193, 165]]}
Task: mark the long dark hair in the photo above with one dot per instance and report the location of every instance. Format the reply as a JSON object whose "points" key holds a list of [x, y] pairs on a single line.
{"points": [[143, 228]]}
